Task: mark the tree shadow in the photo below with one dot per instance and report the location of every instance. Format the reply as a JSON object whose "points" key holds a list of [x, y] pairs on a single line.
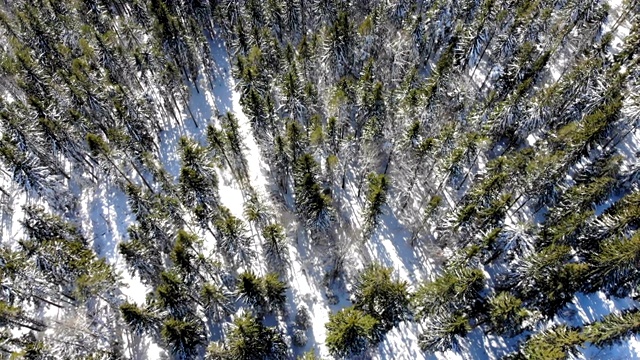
{"points": [[389, 245], [109, 217], [399, 343]]}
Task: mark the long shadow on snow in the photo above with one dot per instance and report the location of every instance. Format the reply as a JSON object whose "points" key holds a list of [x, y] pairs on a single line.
{"points": [[389, 244], [108, 209]]}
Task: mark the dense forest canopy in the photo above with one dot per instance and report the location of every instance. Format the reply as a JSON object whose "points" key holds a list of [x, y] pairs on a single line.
{"points": [[311, 179]]}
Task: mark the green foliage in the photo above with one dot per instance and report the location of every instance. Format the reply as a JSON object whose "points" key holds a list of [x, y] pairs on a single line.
{"points": [[311, 203], [197, 180], [579, 137], [615, 267], [184, 337], [376, 294], [140, 320], [443, 331], [433, 204], [547, 280], [92, 87], [274, 292], [309, 355], [296, 140], [553, 344], [568, 229], [316, 137], [62, 257], [581, 197], [456, 289], [613, 328], [255, 211], [216, 351], [250, 340], [275, 247], [216, 302], [349, 332], [251, 289], [507, 314], [376, 199], [97, 145], [265, 294], [332, 163], [183, 254], [233, 239], [172, 294]]}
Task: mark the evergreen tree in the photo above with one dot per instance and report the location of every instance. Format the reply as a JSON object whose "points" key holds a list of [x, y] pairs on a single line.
{"points": [[217, 303], [251, 340], [216, 351], [233, 240], [256, 212], [140, 320], [614, 269], [274, 292], [184, 337], [173, 295], [275, 247], [555, 343], [377, 295], [350, 332], [455, 290], [198, 181], [613, 328], [311, 203], [376, 199], [443, 331], [507, 314], [251, 290], [546, 280]]}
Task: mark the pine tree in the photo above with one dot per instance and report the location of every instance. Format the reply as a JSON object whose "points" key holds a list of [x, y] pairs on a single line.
{"points": [[234, 141], [296, 137], [13, 316], [256, 212], [251, 340], [311, 203], [275, 247], [443, 331], [173, 295], [507, 314], [350, 332], [546, 280], [216, 351], [376, 199], [184, 337], [309, 355], [99, 148], [62, 257], [456, 289], [555, 343], [614, 269], [376, 294], [274, 292], [183, 254], [198, 181], [27, 170], [251, 290], [339, 45], [613, 328], [217, 303], [140, 320], [141, 256], [233, 240]]}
